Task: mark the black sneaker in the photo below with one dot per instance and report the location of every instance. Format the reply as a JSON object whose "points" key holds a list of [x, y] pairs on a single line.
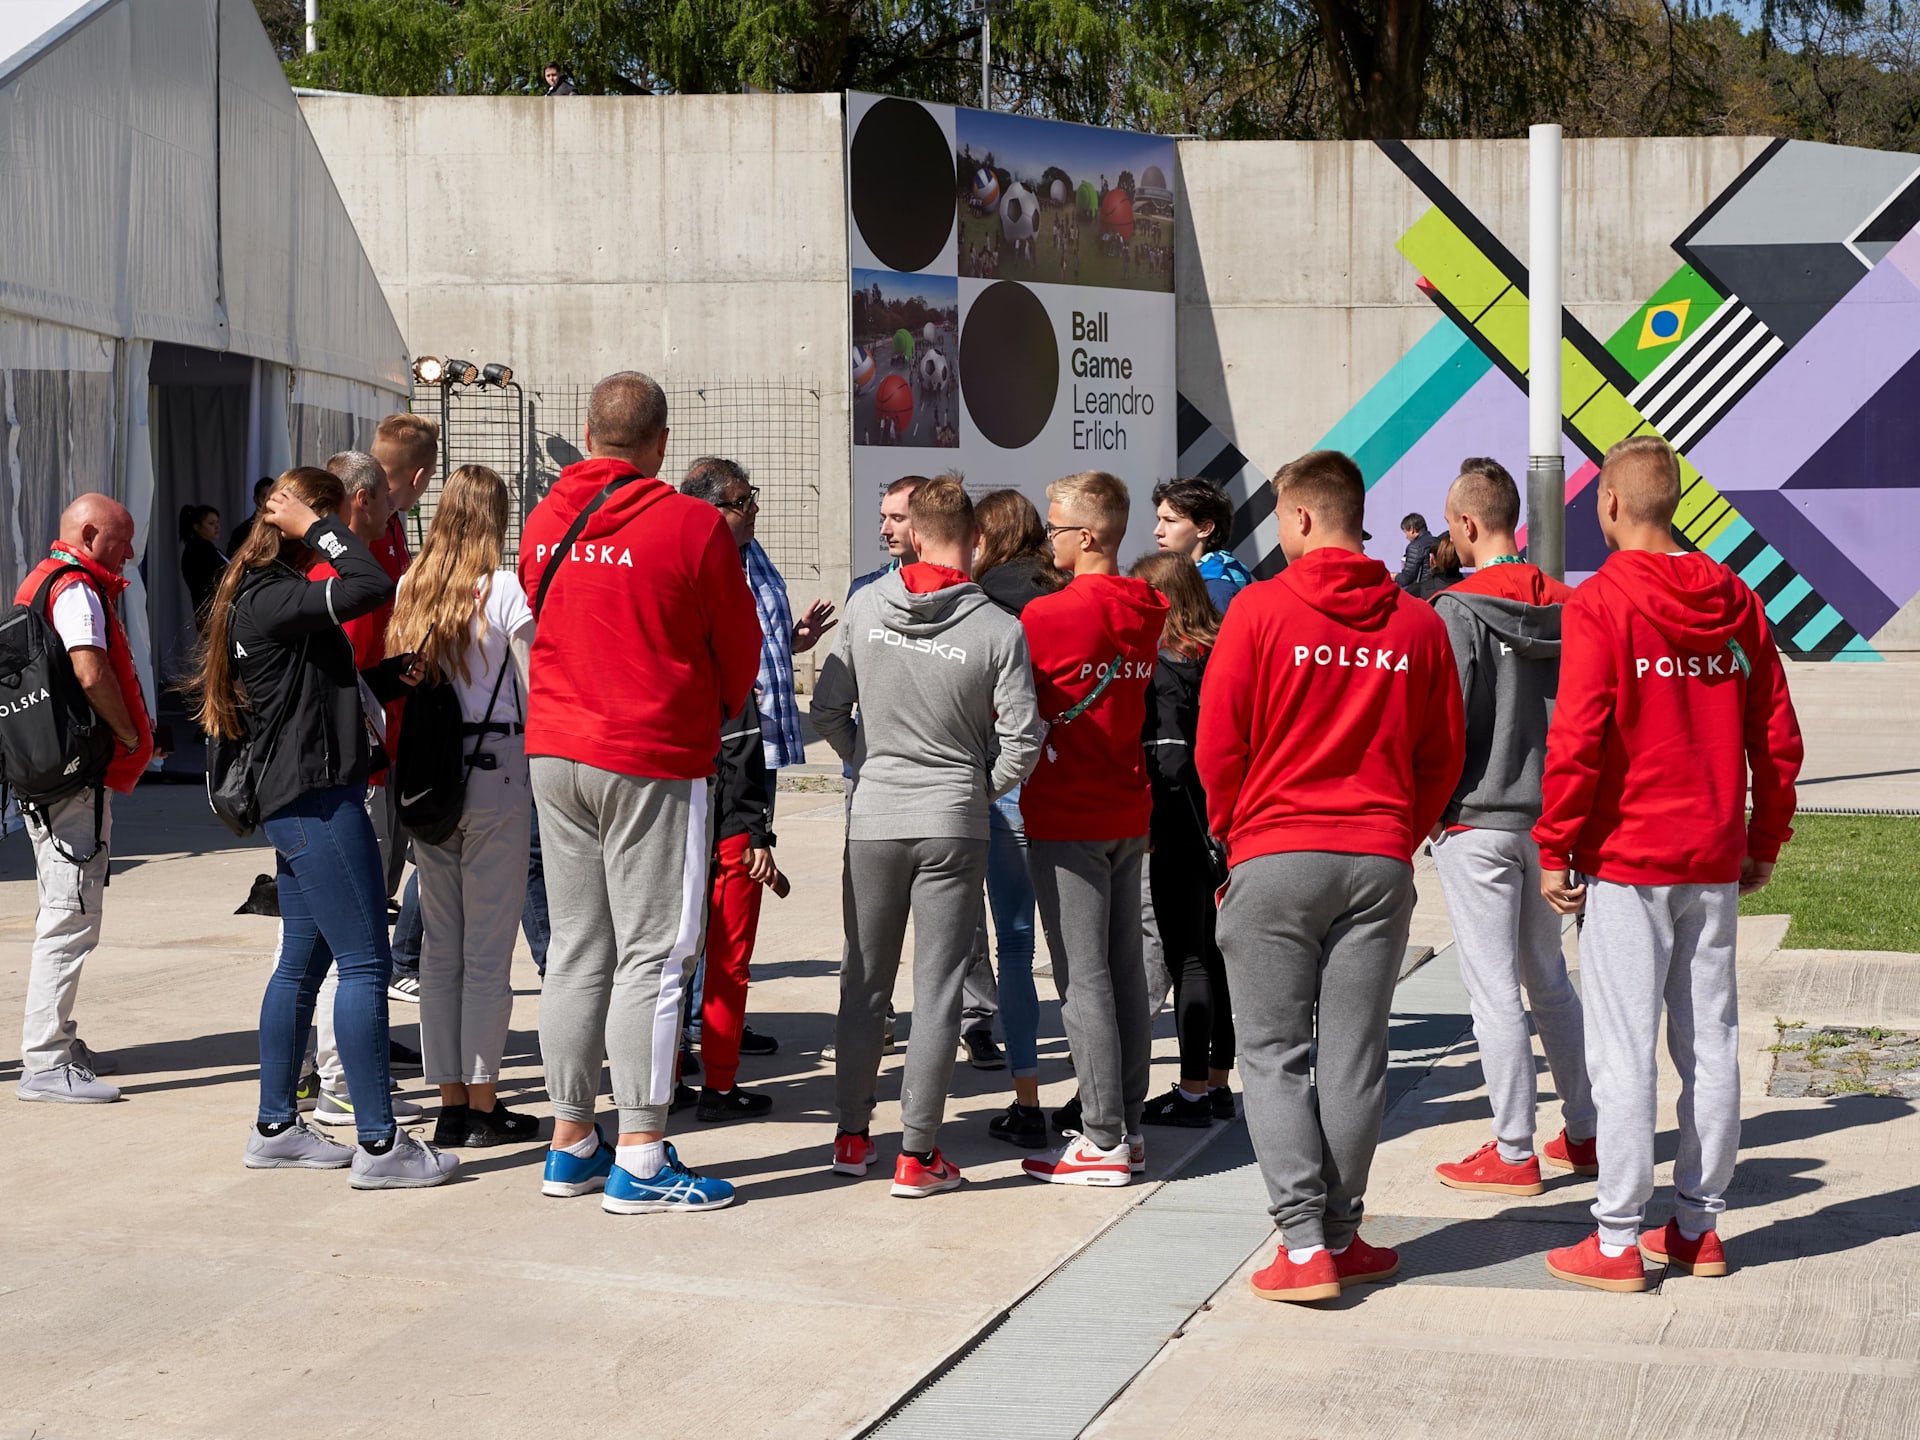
{"points": [[402, 1057], [734, 1104], [499, 1126], [1067, 1117], [683, 1096], [752, 1044], [689, 1062], [1221, 1099], [1173, 1108], [450, 1130], [982, 1053], [1020, 1125]]}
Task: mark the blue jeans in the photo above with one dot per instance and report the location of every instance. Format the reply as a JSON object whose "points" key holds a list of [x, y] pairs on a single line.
{"points": [[533, 912], [408, 930], [333, 911], [1010, 898]]}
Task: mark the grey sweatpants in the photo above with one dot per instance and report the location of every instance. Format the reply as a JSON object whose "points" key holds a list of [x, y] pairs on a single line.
{"points": [[472, 890], [1313, 944], [938, 882], [1508, 939], [68, 926], [1643, 944], [626, 862], [1087, 893]]}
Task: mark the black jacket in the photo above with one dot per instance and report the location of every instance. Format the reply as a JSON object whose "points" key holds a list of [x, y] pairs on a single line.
{"points": [[295, 667], [1414, 563], [740, 781], [1173, 719], [1012, 584], [201, 566]]}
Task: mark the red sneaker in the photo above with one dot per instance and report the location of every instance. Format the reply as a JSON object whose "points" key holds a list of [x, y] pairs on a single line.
{"points": [[1314, 1279], [853, 1153], [1585, 1265], [1363, 1264], [1667, 1246], [1565, 1153], [1485, 1170], [1081, 1162], [913, 1181]]}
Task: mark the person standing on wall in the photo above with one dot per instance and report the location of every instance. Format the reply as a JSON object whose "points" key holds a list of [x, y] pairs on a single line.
{"points": [[1088, 808], [1673, 708], [1013, 565], [71, 836], [647, 639], [467, 620], [1330, 741], [947, 726], [1504, 624], [277, 670]]}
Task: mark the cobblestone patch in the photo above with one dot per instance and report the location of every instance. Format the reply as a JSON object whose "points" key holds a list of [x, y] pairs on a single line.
{"points": [[1816, 1061]]}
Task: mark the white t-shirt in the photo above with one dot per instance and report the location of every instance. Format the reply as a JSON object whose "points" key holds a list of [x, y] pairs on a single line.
{"points": [[78, 618], [504, 617]]}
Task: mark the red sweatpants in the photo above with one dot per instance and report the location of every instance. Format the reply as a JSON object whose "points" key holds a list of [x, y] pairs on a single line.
{"points": [[731, 924]]}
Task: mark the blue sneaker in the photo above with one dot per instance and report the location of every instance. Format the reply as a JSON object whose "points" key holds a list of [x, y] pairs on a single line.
{"points": [[674, 1188], [569, 1175]]}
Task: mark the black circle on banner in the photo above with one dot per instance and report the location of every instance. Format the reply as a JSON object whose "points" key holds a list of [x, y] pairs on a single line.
{"points": [[901, 169], [1009, 364]]}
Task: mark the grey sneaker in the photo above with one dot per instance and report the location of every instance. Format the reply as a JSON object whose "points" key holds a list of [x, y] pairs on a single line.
{"points": [[68, 1084], [409, 1165], [295, 1148], [335, 1107], [80, 1054]]}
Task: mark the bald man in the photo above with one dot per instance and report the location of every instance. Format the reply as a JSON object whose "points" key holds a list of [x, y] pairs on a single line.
{"points": [[70, 835]]}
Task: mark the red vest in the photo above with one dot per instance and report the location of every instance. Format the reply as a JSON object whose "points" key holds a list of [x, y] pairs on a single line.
{"points": [[124, 773]]}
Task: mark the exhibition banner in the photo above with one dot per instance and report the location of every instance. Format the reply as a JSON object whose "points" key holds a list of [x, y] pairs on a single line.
{"points": [[1011, 300]]}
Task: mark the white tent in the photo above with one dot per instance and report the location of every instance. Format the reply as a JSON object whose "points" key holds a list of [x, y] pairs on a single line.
{"points": [[184, 304]]}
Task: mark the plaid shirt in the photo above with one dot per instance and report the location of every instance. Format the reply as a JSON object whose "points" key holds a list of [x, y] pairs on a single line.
{"points": [[779, 713]]}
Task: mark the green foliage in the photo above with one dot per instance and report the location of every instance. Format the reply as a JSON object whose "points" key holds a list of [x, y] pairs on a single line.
{"points": [[1849, 882], [1846, 71]]}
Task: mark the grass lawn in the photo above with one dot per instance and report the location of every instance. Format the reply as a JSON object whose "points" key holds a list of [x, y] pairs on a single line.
{"points": [[1851, 882]]}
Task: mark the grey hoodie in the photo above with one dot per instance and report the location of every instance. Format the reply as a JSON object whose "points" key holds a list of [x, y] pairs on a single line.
{"points": [[948, 721], [1508, 654]]}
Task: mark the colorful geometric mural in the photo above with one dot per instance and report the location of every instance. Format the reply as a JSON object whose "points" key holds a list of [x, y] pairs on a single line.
{"points": [[1781, 360]]}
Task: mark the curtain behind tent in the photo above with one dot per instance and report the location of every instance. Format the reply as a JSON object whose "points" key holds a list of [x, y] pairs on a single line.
{"points": [[330, 414]]}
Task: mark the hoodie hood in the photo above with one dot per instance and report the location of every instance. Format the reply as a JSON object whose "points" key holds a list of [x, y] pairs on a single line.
{"points": [[1014, 582], [1131, 612], [930, 612], [1531, 631], [1695, 602], [578, 484], [1350, 589]]}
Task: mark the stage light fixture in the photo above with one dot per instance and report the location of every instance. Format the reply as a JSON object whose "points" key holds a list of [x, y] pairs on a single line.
{"points": [[429, 370], [497, 374], [461, 372]]}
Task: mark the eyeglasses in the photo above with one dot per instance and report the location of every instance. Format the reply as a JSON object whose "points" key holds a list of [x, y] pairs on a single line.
{"points": [[1053, 530], [753, 499]]}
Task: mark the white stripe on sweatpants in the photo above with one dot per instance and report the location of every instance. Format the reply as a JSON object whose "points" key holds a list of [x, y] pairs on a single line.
{"points": [[686, 944]]}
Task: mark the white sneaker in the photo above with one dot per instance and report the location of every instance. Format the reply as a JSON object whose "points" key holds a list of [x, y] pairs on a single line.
{"points": [[1081, 1162], [410, 1165], [335, 1107], [68, 1084], [1136, 1154], [405, 988]]}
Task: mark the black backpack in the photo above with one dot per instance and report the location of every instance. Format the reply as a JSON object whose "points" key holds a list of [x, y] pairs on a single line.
{"points": [[52, 742], [432, 766]]}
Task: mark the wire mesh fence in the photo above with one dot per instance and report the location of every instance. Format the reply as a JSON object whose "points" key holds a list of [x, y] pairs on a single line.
{"points": [[479, 425]]}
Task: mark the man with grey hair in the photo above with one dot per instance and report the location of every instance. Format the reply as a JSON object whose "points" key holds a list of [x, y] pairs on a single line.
{"points": [[647, 639]]}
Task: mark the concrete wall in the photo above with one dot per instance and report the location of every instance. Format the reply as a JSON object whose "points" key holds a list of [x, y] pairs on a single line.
{"points": [[698, 238]]}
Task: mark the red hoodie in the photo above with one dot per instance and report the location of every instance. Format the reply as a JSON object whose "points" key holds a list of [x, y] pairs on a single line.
{"points": [[1657, 722], [1091, 782], [1330, 716], [126, 767], [1514, 580], [648, 638]]}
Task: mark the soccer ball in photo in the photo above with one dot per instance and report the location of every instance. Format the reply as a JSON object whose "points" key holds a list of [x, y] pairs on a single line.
{"points": [[986, 190], [1019, 215], [934, 370]]}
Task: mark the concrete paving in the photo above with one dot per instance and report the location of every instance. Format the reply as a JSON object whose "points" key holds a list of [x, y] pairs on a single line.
{"points": [[152, 1287], [1815, 1333], [1858, 721]]}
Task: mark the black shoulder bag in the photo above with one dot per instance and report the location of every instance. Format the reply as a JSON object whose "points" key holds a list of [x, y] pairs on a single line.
{"points": [[232, 788]]}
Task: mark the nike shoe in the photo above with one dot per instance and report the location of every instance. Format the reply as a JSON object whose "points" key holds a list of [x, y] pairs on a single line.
{"points": [[1081, 1162], [1136, 1154], [852, 1154], [335, 1107], [913, 1180], [306, 1094], [569, 1175], [674, 1188]]}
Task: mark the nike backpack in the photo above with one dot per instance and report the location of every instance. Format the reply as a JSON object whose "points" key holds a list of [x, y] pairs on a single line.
{"points": [[429, 776], [52, 742]]}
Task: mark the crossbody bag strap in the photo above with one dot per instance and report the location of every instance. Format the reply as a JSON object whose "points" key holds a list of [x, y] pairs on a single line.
{"points": [[573, 533], [1086, 702]]}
